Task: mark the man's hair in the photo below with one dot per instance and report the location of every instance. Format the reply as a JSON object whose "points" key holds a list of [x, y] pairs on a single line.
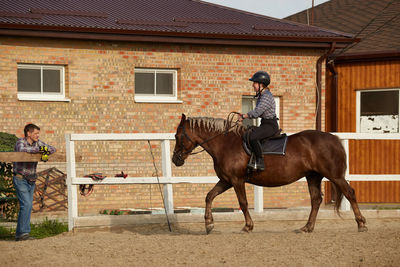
{"points": [[29, 128]]}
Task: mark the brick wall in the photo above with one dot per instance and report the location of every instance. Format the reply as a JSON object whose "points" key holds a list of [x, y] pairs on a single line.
{"points": [[100, 83]]}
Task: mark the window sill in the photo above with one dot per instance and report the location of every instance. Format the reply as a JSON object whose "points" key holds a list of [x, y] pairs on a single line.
{"points": [[44, 99], [157, 100]]}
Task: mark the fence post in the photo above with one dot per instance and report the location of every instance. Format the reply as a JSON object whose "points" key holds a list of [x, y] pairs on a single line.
{"points": [[167, 173], [258, 198], [345, 205], [72, 188]]}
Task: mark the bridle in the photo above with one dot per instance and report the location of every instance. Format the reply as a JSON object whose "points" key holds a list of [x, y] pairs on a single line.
{"points": [[182, 153]]}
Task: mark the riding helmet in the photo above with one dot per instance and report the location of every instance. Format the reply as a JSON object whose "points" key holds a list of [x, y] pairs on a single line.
{"points": [[261, 77]]}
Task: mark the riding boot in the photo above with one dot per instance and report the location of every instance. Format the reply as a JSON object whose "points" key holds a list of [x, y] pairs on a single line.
{"points": [[260, 164], [259, 157]]}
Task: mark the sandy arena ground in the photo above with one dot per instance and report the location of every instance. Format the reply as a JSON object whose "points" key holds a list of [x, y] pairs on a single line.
{"points": [[273, 243]]}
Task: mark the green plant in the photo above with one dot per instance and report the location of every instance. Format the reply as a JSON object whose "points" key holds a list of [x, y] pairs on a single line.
{"points": [[6, 233], [7, 142], [42, 229], [48, 228], [7, 192]]}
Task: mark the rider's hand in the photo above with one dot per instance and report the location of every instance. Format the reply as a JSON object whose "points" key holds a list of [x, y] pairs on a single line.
{"points": [[242, 117]]}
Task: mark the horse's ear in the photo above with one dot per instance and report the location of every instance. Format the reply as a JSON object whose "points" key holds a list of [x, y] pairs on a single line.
{"points": [[183, 118]]}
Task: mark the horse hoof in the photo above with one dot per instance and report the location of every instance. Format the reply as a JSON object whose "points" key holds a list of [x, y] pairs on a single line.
{"points": [[363, 229], [304, 229], [247, 229], [209, 228]]}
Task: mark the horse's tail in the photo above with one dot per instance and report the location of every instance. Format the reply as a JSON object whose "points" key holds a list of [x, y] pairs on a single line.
{"points": [[338, 199], [342, 174]]}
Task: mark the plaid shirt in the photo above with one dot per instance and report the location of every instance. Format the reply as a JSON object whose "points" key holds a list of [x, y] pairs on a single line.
{"points": [[28, 168], [265, 107]]}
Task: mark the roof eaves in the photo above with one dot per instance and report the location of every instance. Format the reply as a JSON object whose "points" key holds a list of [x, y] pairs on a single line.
{"points": [[60, 31], [368, 56]]}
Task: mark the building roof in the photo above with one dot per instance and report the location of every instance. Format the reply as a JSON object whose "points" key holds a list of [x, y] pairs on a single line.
{"points": [[376, 23], [157, 20]]}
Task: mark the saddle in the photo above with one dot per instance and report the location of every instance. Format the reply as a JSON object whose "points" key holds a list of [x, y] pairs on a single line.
{"points": [[274, 145]]}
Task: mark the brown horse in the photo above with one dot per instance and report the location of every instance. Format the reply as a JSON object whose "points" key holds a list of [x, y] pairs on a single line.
{"points": [[311, 154]]}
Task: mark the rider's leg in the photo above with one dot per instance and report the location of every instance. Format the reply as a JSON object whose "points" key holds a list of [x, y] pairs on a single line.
{"points": [[257, 150]]}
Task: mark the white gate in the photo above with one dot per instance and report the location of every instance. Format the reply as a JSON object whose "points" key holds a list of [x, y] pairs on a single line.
{"points": [[167, 179]]}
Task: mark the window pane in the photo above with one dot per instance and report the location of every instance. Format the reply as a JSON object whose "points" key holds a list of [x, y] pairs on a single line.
{"points": [[164, 84], [380, 103], [247, 105], [29, 80], [379, 112], [144, 83], [51, 81]]}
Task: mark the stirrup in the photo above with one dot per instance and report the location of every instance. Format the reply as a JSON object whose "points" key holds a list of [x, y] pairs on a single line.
{"points": [[252, 163]]}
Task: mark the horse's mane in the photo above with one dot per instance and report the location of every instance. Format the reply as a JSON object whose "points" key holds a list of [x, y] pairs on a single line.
{"points": [[216, 124]]}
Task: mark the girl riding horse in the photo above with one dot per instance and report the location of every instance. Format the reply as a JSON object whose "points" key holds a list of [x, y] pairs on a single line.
{"points": [[265, 109]]}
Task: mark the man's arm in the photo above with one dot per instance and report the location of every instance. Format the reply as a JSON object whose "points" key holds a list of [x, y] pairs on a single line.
{"points": [[20, 146]]}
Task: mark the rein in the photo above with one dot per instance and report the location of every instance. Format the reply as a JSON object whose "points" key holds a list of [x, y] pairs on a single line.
{"points": [[229, 126]]}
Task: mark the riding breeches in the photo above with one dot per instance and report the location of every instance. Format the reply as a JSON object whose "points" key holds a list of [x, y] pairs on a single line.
{"points": [[268, 128]]}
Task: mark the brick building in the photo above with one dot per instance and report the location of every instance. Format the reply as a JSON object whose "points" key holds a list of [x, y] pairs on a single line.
{"points": [[92, 67]]}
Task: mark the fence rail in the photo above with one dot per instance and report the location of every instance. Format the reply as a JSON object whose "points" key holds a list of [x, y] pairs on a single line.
{"points": [[167, 179]]}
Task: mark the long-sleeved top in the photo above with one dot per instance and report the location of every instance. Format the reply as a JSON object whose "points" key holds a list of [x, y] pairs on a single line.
{"points": [[22, 145], [265, 107]]}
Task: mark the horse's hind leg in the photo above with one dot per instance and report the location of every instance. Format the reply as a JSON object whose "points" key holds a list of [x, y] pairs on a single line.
{"points": [[314, 187], [348, 192], [219, 188]]}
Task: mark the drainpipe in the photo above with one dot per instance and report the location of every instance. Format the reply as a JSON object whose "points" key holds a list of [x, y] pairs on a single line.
{"points": [[334, 96], [319, 91]]}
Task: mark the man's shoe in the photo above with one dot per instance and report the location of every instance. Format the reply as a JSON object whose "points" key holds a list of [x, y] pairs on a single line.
{"points": [[260, 164], [24, 237]]}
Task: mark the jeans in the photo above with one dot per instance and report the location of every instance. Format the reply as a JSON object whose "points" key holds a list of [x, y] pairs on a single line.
{"points": [[25, 197]]}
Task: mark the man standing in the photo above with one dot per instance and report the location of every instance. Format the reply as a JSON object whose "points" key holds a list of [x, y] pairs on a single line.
{"points": [[25, 177]]}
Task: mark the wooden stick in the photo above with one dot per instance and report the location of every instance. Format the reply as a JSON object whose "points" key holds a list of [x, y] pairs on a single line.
{"points": [[28, 157]]}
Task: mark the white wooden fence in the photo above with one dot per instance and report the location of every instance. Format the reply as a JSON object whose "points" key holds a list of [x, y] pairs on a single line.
{"points": [[167, 179]]}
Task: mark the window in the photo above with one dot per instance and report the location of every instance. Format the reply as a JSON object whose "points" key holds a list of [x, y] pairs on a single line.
{"points": [[249, 103], [41, 82], [378, 111], [156, 85]]}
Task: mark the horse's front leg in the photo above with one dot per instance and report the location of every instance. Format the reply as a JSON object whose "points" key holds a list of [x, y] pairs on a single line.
{"points": [[240, 190], [219, 188]]}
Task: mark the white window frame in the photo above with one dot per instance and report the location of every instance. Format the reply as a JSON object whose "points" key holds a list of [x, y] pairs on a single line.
{"points": [[358, 104], [47, 96], [153, 98], [277, 106]]}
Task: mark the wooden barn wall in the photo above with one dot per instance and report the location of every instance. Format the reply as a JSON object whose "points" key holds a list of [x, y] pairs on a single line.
{"points": [[366, 156]]}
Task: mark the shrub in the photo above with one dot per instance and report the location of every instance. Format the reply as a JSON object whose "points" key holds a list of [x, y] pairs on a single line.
{"points": [[7, 142], [7, 192]]}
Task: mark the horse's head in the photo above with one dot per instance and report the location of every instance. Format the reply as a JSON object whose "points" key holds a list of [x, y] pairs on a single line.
{"points": [[184, 145]]}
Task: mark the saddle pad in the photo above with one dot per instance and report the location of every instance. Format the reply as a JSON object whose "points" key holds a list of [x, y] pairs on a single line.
{"points": [[274, 146]]}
